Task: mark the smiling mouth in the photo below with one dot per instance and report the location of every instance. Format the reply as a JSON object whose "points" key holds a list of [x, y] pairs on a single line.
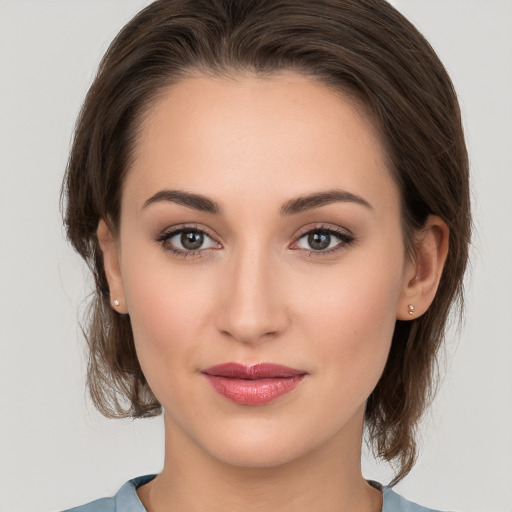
{"points": [[256, 384]]}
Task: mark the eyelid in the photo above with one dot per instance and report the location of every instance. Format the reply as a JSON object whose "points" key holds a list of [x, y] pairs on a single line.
{"points": [[324, 227], [173, 230]]}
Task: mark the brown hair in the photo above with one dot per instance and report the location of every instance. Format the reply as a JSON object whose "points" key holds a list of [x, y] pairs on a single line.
{"points": [[364, 48]]}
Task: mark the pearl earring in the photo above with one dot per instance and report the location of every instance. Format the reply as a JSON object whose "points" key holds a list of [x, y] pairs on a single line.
{"points": [[115, 302], [411, 309]]}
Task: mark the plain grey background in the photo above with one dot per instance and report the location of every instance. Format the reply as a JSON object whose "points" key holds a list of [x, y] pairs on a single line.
{"points": [[55, 449]]}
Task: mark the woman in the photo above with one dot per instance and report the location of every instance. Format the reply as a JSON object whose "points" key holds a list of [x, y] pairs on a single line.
{"points": [[273, 198]]}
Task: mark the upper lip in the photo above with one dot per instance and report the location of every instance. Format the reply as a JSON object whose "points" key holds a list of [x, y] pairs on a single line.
{"points": [[253, 371]]}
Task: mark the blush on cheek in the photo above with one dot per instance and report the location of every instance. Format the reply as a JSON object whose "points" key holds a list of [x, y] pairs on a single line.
{"points": [[166, 310], [357, 319]]}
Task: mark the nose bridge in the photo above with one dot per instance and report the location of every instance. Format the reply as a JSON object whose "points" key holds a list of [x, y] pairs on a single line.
{"points": [[253, 306]]}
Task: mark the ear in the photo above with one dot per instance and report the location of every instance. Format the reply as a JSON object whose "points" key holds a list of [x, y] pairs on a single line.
{"points": [[109, 248], [423, 272]]}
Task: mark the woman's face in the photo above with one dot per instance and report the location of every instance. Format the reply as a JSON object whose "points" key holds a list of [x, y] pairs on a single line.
{"points": [[260, 226]]}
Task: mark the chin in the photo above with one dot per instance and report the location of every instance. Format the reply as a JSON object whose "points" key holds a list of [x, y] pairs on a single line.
{"points": [[253, 448], [256, 457]]}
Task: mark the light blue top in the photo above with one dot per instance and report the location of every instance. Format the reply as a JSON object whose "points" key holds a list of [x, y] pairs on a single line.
{"points": [[127, 500]]}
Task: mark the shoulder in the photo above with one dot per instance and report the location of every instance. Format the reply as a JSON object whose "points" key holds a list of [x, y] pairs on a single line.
{"points": [[393, 502], [126, 499], [101, 505]]}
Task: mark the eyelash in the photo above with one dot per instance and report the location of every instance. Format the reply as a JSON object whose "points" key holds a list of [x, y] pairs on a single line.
{"points": [[344, 237], [165, 237]]}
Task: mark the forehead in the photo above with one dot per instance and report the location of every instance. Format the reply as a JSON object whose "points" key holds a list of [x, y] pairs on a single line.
{"points": [[281, 135]]}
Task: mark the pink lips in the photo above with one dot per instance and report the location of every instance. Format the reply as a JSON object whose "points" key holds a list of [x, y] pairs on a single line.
{"points": [[253, 385]]}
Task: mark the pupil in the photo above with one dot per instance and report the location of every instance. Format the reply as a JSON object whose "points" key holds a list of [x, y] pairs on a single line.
{"points": [[191, 240], [319, 241]]}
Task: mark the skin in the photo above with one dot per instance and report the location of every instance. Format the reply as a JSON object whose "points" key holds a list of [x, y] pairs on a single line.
{"points": [[258, 292]]}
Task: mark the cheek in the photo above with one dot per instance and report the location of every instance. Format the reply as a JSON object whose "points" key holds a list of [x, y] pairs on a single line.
{"points": [[167, 311], [352, 319], [357, 299]]}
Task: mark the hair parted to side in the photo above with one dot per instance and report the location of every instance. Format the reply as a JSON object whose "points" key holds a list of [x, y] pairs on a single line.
{"points": [[364, 48]]}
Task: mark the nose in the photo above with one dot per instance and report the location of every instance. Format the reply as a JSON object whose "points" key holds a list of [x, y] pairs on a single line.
{"points": [[252, 308]]}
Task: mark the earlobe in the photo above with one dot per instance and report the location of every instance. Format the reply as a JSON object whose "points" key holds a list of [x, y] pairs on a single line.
{"points": [[423, 273], [110, 251]]}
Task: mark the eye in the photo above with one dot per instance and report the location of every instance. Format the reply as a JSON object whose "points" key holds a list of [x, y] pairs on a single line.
{"points": [[324, 240], [187, 241]]}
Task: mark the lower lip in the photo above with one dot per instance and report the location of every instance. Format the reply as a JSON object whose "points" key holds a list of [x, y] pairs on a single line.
{"points": [[253, 392]]}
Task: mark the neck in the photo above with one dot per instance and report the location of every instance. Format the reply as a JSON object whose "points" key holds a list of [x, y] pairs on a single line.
{"points": [[328, 479]]}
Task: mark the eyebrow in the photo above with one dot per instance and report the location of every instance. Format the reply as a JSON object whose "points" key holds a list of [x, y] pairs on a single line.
{"points": [[318, 199], [196, 201], [291, 207]]}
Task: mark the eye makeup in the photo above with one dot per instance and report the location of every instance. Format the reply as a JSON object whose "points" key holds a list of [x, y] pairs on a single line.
{"points": [[190, 237], [321, 238], [190, 241]]}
